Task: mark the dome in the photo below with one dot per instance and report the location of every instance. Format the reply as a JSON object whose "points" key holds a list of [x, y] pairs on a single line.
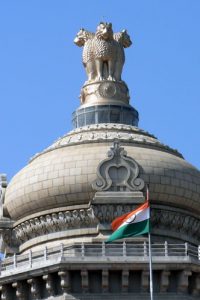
{"points": [[61, 175], [57, 195]]}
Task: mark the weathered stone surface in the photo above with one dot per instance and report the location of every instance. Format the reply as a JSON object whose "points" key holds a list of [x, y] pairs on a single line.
{"points": [[62, 175]]}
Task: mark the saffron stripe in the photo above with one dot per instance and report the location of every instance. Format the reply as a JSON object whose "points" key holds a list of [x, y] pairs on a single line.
{"points": [[118, 221]]}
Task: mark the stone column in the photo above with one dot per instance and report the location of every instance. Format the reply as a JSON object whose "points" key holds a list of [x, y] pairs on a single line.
{"points": [[20, 291], [145, 282], [35, 291], [125, 281], [196, 285], [49, 284], [4, 292], [64, 281], [105, 281], [84, 281], [183, 281], [164, 282]]}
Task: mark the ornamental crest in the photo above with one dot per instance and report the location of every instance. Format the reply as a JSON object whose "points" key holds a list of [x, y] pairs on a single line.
{"points": [[118, 172]]}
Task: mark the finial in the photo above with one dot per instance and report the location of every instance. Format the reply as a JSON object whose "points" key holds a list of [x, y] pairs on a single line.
{"points": [[104, 96]]}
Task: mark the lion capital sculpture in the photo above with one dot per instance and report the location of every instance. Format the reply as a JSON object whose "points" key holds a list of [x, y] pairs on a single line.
{"points": [[103, 52]]}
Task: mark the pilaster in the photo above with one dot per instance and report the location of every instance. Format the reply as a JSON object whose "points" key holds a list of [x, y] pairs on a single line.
{"points": [[183, 281], [145, 282], [84, 281], [105, 281], [49, 284], [125, 281], [20, 290], [64, 281], [34, 287], [164, 282]]}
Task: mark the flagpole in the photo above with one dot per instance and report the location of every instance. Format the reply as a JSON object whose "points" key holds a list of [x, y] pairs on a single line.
{"points": [[150, 269], [150, 256]]}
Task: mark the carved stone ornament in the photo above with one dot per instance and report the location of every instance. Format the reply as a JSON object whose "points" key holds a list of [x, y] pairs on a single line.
{"points": [[118, 172], [107, 89], [165, 222], [55, 222], [109, 133]]}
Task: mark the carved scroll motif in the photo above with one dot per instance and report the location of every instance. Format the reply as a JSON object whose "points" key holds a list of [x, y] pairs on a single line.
{"points": [[118, 172]]}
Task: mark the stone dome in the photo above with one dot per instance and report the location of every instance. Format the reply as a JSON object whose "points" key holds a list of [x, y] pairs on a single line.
{"points": [[62, 174]]}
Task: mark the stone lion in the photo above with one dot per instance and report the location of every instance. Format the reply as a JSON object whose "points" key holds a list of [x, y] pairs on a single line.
{"points": [[103, 52], [84, 39], [123, 41]]}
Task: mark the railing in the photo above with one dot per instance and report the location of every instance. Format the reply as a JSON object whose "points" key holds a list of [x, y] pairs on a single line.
{"points": [[99, 252]]}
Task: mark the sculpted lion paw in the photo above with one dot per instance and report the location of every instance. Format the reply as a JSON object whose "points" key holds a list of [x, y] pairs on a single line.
{"points": [[111, 78], [100, 78]]}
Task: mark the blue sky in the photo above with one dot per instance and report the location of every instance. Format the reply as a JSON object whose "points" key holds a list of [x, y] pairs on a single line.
{"points": [[41, 72]]}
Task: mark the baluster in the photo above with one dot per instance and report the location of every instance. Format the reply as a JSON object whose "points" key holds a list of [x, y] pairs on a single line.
{"points": [[30, 258], [82, 250], [15, 260], [186, 249], [199, 252], [166, 248], [61, 250], [124, 249], [103, 249], [145, 249], [45, 254]]}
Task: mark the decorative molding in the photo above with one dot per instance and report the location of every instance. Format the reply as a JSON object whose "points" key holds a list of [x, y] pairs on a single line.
{"points": [[180, 224], [171, 223], [107, 213], [55, 222], [118, 172], [108, 133]]}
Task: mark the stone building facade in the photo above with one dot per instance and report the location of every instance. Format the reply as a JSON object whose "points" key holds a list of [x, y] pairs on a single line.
{"points": [[56, 212]]}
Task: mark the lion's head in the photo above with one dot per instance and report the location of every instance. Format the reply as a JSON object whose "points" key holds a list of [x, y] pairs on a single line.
{"points": [[82, 36], [104, 31], [123, 38]]}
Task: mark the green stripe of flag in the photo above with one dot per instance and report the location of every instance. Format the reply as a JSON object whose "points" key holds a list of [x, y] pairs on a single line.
{"points": [[129, 230]]}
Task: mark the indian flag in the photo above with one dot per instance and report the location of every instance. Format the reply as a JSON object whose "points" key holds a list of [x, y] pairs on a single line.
{"points": [[134, 223]]}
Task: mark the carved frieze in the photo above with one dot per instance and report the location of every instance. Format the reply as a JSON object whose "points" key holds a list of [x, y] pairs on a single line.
{"points": [[55, 222], [180, 224], [109, 132]]}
